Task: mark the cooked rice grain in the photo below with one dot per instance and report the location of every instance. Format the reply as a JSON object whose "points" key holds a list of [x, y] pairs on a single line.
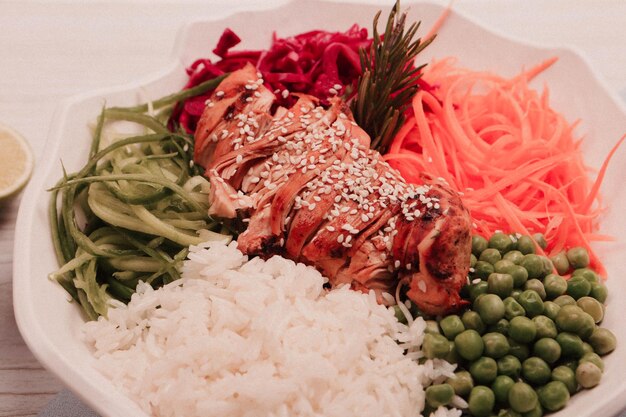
{"points": [[260, 338]]}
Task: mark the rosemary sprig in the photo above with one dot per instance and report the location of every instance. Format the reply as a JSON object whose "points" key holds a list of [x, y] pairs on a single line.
{"points": [[389, 78]]}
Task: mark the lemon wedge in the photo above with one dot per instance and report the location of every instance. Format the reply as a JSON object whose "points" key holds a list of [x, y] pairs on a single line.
{"points": [[16, 162]]}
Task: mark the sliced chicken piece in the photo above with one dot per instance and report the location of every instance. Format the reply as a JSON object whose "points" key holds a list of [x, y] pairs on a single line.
{"points": [[310, 189]]}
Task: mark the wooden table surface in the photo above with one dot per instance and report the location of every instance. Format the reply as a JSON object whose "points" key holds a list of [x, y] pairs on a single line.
{"points": [[50, 50]]}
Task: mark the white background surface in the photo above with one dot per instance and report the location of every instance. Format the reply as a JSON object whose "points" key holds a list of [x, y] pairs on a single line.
{"points": [[52, 50]]}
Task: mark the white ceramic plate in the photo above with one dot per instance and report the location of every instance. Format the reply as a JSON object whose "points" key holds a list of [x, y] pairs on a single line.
{"points": [[50, 324]]}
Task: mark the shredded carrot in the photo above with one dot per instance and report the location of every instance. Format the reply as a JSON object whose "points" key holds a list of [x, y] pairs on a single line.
{"points": [[440, 21], [515, 160]]}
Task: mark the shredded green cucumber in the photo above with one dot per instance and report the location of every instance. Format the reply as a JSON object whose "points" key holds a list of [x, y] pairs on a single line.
{"points": [[133, 209]]}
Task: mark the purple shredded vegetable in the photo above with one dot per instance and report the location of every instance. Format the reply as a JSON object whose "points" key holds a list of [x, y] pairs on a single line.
{"points": [[318, 63]]}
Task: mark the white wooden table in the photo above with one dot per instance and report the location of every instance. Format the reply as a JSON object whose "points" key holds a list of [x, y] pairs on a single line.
{"points": [[51, 50]]}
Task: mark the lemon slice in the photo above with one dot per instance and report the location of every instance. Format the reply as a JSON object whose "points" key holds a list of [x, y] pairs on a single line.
{"points": [[16, 162]]}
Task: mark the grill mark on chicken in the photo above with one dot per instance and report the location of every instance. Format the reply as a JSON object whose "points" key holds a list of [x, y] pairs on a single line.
{"points": [[310, 189]]}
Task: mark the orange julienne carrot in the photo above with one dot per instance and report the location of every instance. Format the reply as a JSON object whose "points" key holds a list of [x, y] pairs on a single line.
{"points": [[516, 161]]}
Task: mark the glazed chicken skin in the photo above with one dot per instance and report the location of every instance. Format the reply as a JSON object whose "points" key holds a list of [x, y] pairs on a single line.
{"points": [[310, 189]]}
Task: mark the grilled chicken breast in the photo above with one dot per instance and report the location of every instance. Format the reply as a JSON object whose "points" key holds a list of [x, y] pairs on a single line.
{"points": [[310, 189]]}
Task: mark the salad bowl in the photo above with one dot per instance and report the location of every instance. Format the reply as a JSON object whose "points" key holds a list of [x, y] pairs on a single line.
{"points": [[51, 325]]}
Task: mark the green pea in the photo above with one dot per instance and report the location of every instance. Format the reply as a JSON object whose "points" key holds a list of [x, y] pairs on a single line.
{"points": [[490, 308], [569, 317], [502, 265], [512, 308], [501, 242], [588, 375], [509, 365], [551, 309], [526, 245], [473, 260], [516, 293], [532, 303], [490, 255], [469, 345], [522, 329], [567, 376], [563, 300], [471, 320], [578, 257], [553, 396], [547, 349], [482, 269], [500, 387], [435, 346], [587, 326], [519, 274], [599, 292], [593, 358], [554, 285], [587, 348], [478, 289], [484, 370], [540, 239], [535, 412], [537, 286], [572, 318], [536, 371], [545, 327], [514, 256], [548, 268], [602, 340], [479, 244], [578, 287], [496, 345], [481, 401], [519, 350], [587, 273], [451, 326], [501, 326], [439, 395], [533, 264], [571, 345], [500, 284], [452, 356], [560, 262], [592, 307], [462, 383], [522, 397], [432, 327]]}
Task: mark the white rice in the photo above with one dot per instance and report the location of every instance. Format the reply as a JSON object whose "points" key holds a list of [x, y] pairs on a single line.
{"points": [[261, 338]]}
